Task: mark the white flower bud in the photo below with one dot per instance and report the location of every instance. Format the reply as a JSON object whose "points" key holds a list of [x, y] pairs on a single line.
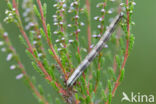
{"points": [[99, 26], [96, 18], [12, 67], [1, 43], [70, 41], [3, 49], [40, 54], [103, 10], [82, 24], [9, 57], [19, 76]]}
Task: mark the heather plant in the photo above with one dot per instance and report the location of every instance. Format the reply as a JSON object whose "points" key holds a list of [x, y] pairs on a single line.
{"points": [[57, 47]]}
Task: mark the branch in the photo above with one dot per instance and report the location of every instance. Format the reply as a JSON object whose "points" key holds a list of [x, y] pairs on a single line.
{"points": [[30, 49], [89, 27], [48, 40], [22, 69], [117, 83]]}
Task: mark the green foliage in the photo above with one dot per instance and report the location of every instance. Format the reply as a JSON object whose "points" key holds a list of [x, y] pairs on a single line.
{"points": [[55, 55], [36, 11]]}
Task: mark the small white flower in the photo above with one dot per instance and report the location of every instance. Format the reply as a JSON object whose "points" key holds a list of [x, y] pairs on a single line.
{"points": [[99, 36], [70, 41], [57, 40], [1, 43], [31, 24], [100, 19], [96, 18], [12, 67], [76, 16], [54, 16], [19, 76], [40, 54], [94, 36], [103, 10], [13, 9], [72, 4], [62, 9], [59, 49], [99, 26], [133, 23], [131, 11], [63, 38], [3, 49], [5, 34], [78, 30], [76, 3], [10, 14], [92, 46], [134, 3], [69, 25], [55, 23], [82, 24], [110, 11], [34, 42], [6, 12], [97, 6], [64, 5], [61, 23], [61, 45], [121, 4], [39, 36], [69, 11], [9, 57], [105, 45], [55, 32], [55, 5], [84, 49]]}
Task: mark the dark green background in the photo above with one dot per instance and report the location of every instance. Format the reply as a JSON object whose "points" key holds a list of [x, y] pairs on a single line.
{"points": [[140, 69]]}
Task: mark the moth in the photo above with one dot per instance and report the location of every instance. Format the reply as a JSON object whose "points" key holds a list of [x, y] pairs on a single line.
{"points": [[94, 52]]}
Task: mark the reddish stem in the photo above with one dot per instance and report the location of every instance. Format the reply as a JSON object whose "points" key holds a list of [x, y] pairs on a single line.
{"points": [[114, 65], [47, 76], [48, 40], [24, 72], [117, 83], [126, 53], [89, 27], [21, 28]]}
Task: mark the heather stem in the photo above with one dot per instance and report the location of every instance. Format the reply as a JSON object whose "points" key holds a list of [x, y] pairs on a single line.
{"points": [[48, 40], [89, 25], [22, 69], [117, 83]]}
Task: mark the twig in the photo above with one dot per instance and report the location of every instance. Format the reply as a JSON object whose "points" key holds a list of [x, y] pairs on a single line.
{"points": [[22, 69], [89, 27], [126, 53], [48, 40], [47, 76], [117, 83], [30, 49]]}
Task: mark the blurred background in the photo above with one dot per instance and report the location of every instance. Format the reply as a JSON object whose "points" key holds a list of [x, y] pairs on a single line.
{"points": [[140, 72]]}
